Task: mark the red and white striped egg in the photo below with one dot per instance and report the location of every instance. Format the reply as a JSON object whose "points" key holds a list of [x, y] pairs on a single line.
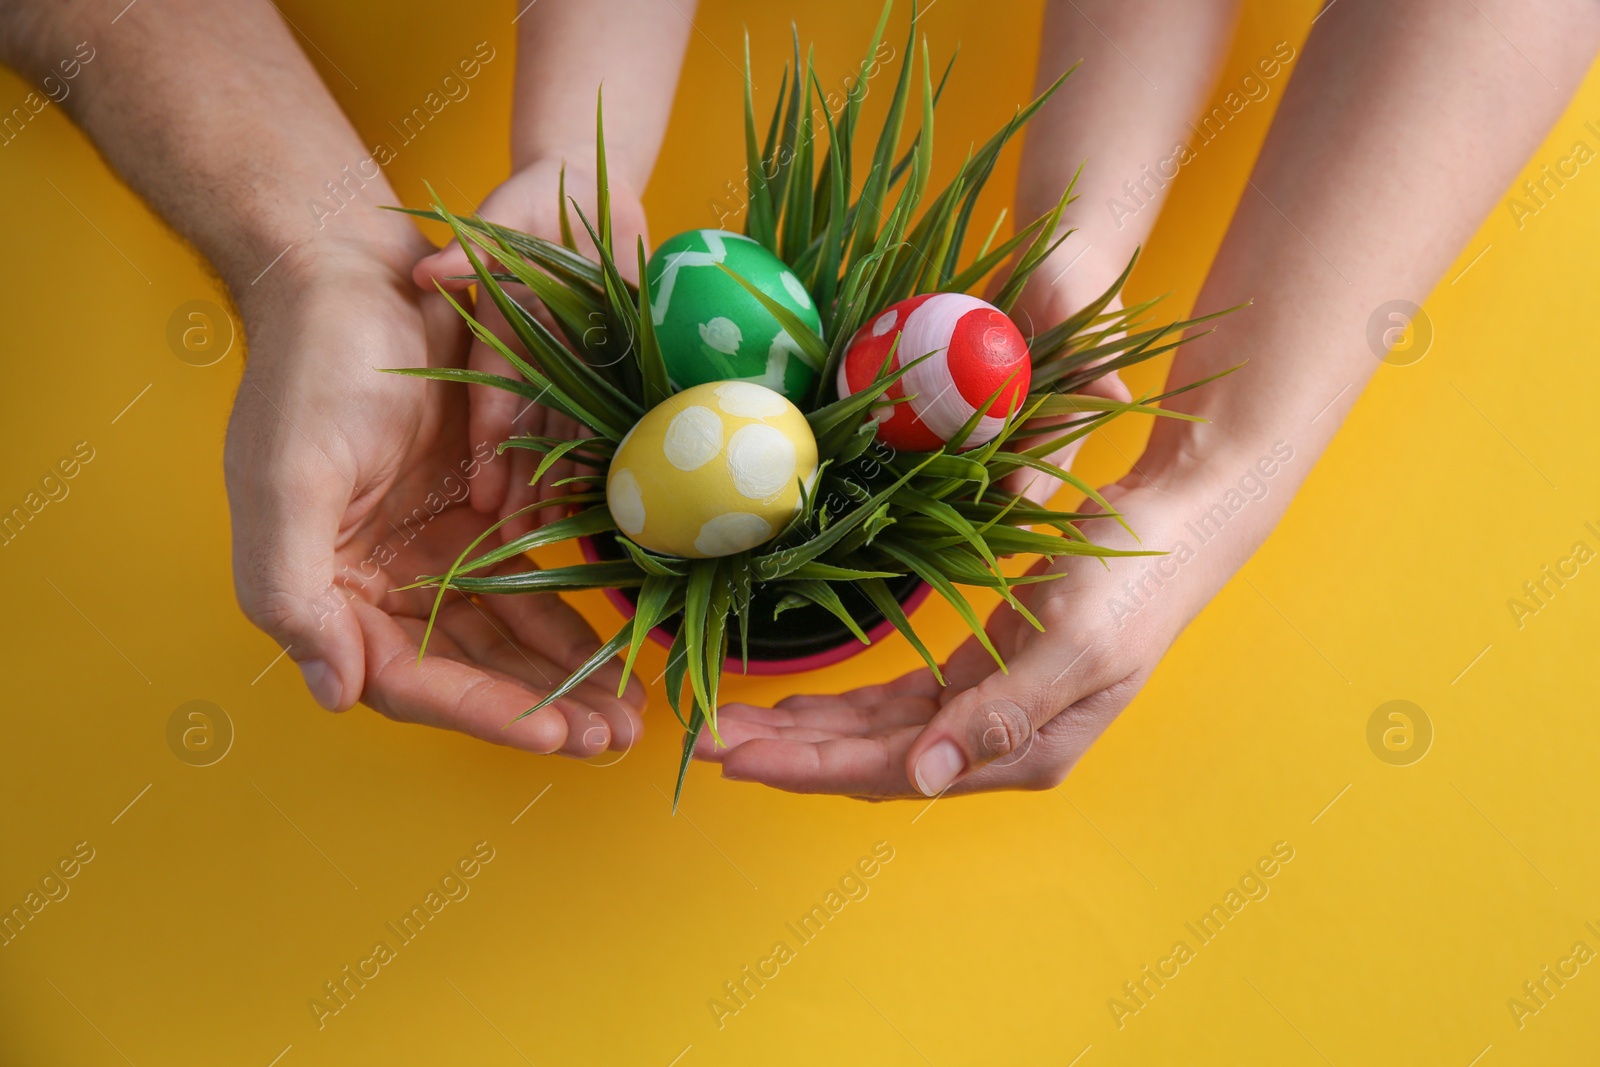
{"points": [[975, 348]]}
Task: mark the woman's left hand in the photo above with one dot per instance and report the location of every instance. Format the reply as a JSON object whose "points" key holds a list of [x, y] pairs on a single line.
{"points": [[987, 729]]}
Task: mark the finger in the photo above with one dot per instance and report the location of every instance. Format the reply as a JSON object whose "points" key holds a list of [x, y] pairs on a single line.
{"points": [[452, 260], [1056, 748], [738, 723], [917, 683], [521, 465], [1111, 386], [1039, 487], [479, 633], [852, 744], [490, 418], [1035, 486], [611, 721], [443, 268], [440, 691], [736, 732], [548, 623], [287, 499], [521, 491], [519, 494], [565, 428], [853, 766], [999, 718], [837, 718], [536, 638], [971, 663], [487, 643]]}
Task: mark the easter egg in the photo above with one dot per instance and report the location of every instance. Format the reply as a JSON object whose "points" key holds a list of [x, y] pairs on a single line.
{"points": [[709, 326], [711, 471], [975, 349]]}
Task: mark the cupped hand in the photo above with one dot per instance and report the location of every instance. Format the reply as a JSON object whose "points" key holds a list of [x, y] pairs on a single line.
{"points": [[528, 201], [345, 484], [988, 730]]}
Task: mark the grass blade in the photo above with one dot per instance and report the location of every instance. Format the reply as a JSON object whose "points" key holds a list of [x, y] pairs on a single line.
{"points": [[822, 595], [878, 592], [696, 723], [920, 565], [758, 220], [652, 364], [660, 598], [812, 348], [603, 655], [616, 574]]}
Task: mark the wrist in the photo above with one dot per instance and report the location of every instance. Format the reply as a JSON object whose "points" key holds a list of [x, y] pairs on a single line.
{"points": [[1093, 256], [1073, 276], [1205, 454], [362, 272], [1207, 514], [576, 153], [273, 266], [1231, 490]]}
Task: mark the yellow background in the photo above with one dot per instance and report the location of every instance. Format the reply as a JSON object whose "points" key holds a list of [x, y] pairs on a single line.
{"points": [[218, 904]]}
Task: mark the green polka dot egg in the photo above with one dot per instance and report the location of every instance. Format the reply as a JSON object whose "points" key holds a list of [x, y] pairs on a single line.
{"points": [[711, 329], [711, 471]]}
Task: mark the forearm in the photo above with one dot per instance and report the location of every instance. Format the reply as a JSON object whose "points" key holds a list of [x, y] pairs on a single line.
{"points": [[1377, 171], [220, 123], [566, 49], [1147, 66]]}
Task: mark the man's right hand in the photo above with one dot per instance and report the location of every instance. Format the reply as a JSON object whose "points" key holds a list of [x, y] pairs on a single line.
{"points": [[346, 483]]}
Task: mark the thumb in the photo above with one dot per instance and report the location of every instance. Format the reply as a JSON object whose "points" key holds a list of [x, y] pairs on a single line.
{"points": [[284, 569], [443, 267], [1039, 487], [1111, 386], [996, 721]]}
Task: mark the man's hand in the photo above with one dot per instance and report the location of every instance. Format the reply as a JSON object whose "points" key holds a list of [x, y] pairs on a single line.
{"points": [[346, 483]]}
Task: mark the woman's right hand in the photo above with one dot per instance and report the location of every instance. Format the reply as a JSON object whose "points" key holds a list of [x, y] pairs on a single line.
{"points": [[528, 201]]}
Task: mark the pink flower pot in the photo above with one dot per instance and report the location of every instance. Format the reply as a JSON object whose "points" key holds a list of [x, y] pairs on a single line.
{"points": [[801, 639]]}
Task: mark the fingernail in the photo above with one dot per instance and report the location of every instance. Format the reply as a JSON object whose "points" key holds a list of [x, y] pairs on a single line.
{"points": [[596, 739], [938, 767], [323, 683]]}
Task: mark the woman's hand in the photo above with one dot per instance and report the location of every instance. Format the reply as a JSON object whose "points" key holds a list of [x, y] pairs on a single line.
{"points": [[346, 483], [1072, 278], [985, 729], [528, 201]]}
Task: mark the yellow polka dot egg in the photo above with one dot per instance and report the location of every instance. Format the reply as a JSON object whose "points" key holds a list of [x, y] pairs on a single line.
{"points": [[713, 470]]}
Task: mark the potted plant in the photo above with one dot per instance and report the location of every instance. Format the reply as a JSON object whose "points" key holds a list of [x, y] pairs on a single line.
{"points": [[801, 430]]}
